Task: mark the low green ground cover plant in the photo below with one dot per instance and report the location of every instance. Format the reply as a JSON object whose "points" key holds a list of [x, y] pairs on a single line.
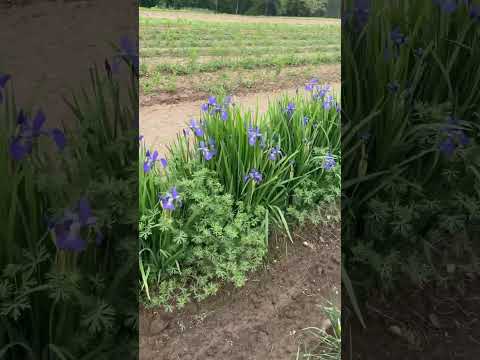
{"points": [[208, 208]]}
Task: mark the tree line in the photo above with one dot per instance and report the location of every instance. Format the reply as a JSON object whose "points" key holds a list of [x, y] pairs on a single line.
{"points": [[328, 8]]}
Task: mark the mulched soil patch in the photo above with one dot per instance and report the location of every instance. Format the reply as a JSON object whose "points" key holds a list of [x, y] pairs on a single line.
{"points": [[262, 320]]}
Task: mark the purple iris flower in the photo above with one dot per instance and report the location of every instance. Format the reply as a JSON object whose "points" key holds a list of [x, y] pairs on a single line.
{"points": [[463, 138], [306, 119], [150, 160], [474, 12], [21, 144], [446, 6], [170, 199], [217, 108], [328, 102], [19, 148], [329, 162], [393, 87], [397, 37], [311, 84], [59, 138], [197, 129], [3, 82], [164, 163], [454, 137], [275, 153], [209, 151], [167, 203], [253, 135], [224, 115], [254, 175], [447, 146], [320, 92], [290, 109], [361, 14], [140, 138], [68, 230]]}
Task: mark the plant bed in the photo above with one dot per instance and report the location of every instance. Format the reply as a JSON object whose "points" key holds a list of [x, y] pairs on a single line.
{"points": [[230, 179]]}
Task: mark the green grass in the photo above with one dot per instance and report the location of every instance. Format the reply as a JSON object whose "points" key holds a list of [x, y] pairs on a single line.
{"points": [[246, 63], [258, 49], [321, 345], [179, 48]]}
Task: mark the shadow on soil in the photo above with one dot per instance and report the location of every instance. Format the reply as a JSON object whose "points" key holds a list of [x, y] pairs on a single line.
{"points": [[434, 323]]}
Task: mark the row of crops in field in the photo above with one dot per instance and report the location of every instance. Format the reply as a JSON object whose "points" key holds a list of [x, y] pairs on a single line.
{"points": [[204, 54], [232, 177]]}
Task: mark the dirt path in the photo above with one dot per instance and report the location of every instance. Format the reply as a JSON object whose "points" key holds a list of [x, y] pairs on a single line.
{"points": [[189, 15], [260, 321], [159, 124]]}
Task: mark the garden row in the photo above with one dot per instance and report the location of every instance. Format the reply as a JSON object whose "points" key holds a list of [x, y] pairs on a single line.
{"points": [[230, 179], [174, 48]]}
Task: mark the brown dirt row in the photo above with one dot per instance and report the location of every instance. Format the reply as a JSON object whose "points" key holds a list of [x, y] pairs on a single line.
{"points": [[188, 88]]}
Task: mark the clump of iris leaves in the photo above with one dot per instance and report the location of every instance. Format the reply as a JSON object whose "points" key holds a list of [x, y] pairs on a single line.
{"points": [[411, 172], [68, 245], [232, 177]]}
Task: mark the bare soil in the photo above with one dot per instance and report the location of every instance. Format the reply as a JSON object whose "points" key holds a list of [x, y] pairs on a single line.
{"points": [[434, 323], [191, 15], [261, 321], [62, 41]]}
